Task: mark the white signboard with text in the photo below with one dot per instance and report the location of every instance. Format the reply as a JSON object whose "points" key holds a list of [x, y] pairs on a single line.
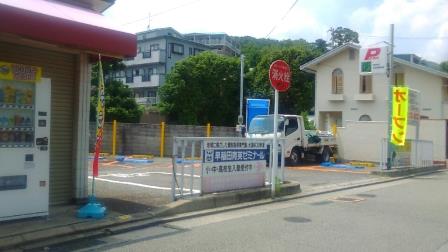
{"points": [[231, 165], [414, 107], [373, 60]]}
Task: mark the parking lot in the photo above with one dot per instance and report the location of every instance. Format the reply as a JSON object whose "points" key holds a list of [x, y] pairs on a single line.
{"points": [[127, 187]]}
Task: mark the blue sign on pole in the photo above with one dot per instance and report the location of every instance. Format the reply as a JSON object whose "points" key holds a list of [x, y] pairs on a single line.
{"points": [[256, 107]]}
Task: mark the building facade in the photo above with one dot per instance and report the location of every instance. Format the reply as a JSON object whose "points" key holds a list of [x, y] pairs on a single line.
{"points": [[220, 43], [342, 94], [34, 33], [158, 50]]}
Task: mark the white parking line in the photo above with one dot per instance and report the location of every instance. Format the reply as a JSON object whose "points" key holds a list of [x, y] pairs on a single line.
{"points": [[141, 174], [139, 185]]}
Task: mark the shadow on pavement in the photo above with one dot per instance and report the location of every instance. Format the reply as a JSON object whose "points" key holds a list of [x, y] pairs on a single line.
{"points": [[124, 206]]}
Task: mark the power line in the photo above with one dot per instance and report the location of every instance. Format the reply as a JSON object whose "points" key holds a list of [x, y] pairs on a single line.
{"points": [[284, 16], [405, 37], [160, 13]]}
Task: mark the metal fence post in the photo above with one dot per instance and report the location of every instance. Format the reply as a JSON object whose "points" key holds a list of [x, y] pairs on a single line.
{"points": [[174, 161], [162, 139], [114, 137], [193, 144], [209, 129]]}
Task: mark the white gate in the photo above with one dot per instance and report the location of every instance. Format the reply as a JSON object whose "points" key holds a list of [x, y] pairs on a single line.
{"points": [[415, 153], [243, 159]]}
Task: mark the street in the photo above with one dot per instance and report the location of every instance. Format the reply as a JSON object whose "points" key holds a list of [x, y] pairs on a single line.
{"points": [[405, 215], [129, 188]]}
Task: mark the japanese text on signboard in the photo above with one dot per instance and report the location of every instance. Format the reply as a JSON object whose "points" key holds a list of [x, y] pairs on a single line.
{"points": [[230, 165], [18, 72], [399, 115]]}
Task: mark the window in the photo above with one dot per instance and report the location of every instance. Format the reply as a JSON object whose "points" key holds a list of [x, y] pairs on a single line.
{"points": [[177, 49], [154, 47], [365, 118], [197, 51], [129, 77], [351, 54], [292, 126], [136, 72], [399, 79], [190, 51], [365, 84], [147, 54], [147, 74], [337, 81]]}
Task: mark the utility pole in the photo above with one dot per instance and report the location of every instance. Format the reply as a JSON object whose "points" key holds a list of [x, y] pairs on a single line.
{"points": [[240, 116], [149, 21], [390, 76]]}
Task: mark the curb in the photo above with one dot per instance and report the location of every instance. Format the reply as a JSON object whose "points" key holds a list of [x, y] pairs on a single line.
{"points": [[76, 230], [406, 171], [165, 215]]}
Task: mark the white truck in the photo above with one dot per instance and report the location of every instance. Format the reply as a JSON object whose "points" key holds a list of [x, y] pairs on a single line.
{"points": [[299, 142]]}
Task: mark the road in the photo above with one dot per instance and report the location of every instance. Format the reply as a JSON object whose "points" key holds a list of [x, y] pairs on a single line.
{"points": [[405, 215], [128, 188]]}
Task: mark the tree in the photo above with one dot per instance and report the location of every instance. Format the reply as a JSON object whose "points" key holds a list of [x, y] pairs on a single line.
{"points": [[120, 103], [300, 95], [341, 36], [202, 89], [321, 45], [444, 66]]}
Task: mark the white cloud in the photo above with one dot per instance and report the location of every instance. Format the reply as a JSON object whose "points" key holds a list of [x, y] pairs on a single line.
{"points": [[416, 24]]}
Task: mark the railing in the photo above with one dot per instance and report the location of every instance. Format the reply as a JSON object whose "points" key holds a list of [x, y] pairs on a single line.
{"points": [[413, 154], [147, 100], [191, 169]]}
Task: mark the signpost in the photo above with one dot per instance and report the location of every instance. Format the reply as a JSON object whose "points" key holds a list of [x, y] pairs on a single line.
{"points": [[373, 60], [231, 165], [280, 77]]}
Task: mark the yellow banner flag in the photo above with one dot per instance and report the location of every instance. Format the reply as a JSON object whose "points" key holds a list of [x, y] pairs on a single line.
{"points": [[18, 72], [400, 102]]}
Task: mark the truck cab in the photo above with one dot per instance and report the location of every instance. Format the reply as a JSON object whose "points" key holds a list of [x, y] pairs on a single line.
{"points": [[298, 141]]}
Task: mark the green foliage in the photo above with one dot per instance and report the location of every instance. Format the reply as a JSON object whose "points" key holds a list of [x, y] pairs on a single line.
{"points": [[341, 36], [300, 96], [120, 103], [308, 125], [444, 66], [201, 89]]}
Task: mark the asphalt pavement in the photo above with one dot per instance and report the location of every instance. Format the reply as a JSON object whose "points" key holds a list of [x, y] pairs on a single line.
{"points": [[405, 215], [128, 188]]}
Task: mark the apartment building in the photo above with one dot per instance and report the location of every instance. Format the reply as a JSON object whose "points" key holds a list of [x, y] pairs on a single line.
{"points": [[158, 50]]}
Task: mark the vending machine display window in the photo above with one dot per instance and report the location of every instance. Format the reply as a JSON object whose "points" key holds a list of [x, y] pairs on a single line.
{"points": [[17, 105]]}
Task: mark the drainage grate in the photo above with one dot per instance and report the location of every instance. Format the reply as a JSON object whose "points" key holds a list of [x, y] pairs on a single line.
{"points": [[348, 199], [297, 219]]}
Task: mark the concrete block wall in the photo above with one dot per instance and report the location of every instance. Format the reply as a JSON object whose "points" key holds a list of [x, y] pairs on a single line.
{"points": [[140, 138]]}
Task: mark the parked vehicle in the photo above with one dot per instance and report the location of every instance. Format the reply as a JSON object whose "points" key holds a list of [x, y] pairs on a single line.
{"points": [[299, 142]]}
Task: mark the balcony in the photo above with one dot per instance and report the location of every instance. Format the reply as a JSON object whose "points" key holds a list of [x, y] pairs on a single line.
{"points": [[147, 100], [147, 58], [364, 97], [137, 81], [336, 97]]}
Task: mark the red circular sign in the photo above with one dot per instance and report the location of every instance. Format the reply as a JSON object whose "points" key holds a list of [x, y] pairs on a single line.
{"points": [[280, 75]]}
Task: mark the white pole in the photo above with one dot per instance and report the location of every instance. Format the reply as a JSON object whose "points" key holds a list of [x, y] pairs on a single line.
{"points": [[389, 87], [240, 117], [274, 146]]}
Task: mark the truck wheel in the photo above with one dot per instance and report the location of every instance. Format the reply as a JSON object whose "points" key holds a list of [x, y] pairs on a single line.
{"points": [[326, 154], [296, 157]]}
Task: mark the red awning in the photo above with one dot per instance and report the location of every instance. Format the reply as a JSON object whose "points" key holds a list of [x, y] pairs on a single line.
{"points": [[62, 24]]}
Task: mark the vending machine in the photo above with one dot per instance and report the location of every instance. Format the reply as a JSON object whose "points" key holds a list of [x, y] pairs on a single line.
{"points": [[25, 106]]}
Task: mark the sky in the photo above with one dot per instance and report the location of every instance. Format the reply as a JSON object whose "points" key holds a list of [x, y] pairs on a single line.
{"points": [[421, 26]]}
